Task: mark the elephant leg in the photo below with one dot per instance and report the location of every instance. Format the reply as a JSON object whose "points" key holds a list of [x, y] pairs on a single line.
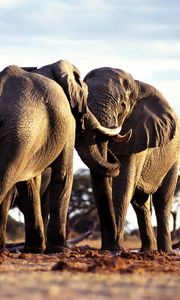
{"points": [[45, 209], [121, 203], [142, 210], [162, 201], [103, 197], [29, 196], [44, 192], [59, 194], [122, 191], [4, 209]]}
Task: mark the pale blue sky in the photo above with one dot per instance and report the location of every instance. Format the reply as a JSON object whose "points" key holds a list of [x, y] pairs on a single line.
{"points": [[140, 36]]}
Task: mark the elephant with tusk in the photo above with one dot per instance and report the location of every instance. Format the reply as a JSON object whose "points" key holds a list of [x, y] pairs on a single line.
{"points": [[147, 156], [39, 109]]}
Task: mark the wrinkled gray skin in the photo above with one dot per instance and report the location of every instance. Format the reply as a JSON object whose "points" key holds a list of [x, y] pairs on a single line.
{"points": [[148, 160], [37, 130], [21, 197]]}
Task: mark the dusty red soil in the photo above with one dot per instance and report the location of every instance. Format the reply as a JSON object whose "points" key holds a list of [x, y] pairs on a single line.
{"points": [[85, 272], [86, 259]]}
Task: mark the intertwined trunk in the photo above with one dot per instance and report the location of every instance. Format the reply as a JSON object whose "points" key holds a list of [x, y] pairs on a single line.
{"points": [[87, 148]]}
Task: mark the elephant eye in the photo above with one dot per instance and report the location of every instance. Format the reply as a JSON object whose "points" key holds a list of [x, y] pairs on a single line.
{"points": [[126, 84]]}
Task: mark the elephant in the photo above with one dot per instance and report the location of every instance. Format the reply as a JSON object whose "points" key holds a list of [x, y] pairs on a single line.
{"points": [[21, 197], [39, 109], [148, 157]]}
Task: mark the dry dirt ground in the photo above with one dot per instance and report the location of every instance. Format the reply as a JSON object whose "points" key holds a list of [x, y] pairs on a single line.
{"points": [[86, 273]]}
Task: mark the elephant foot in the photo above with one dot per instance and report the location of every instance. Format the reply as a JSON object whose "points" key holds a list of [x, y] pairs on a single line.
{"points": [[113, 248], [57, 249], [165, 248], [148, 248], [168, 252]]}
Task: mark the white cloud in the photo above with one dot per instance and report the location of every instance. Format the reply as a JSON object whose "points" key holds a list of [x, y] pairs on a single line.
{"points": [[92, 19], [6, 3], [139, 37]]}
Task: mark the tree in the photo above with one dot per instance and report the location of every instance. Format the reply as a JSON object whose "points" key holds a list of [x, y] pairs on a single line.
{"points": [[82, 209]]}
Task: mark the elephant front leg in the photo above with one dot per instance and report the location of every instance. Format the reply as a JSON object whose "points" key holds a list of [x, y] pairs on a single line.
{"points": [[122, 191], [29, 196], [103, 196]]}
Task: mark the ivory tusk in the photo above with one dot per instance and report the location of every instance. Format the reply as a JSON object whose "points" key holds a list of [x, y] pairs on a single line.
{"points": [[123, 138], [109, 131]]}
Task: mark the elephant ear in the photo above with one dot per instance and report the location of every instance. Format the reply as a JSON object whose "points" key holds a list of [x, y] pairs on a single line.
{"points": [[68, 77], [153, 123]]}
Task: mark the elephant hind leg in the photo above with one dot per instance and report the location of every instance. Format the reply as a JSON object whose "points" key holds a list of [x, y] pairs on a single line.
{"points": [[148, 240], [162, 201], [9, 167], [6, 183], [60, 189], [4, 209], [29, 197]]}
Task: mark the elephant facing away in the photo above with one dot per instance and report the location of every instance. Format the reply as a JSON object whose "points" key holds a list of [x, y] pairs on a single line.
{"points": [[21, 196], [148, 158], [37, 130]]}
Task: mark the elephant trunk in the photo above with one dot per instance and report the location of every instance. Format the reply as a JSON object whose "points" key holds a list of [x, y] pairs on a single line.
{"points": [[94, 160], [91, 123]]}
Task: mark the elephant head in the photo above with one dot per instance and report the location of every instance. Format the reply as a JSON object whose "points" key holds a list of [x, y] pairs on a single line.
{"points": [[116, 99], [68, 77]]}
